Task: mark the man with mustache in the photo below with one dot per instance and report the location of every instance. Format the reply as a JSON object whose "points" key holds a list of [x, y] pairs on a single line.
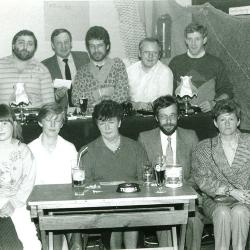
{"points": [[21, 67], [102, 78], [181, 141]]}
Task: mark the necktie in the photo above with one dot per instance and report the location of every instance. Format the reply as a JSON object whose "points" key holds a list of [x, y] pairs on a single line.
{"points": [[68, 77], [169, 152]]}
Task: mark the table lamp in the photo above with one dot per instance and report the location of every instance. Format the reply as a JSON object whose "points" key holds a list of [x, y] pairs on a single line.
{"points": [[20, 100], [186, 91]]}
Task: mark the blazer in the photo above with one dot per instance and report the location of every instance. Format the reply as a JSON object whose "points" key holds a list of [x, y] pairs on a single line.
{"points": [[186, 140], [80, 58]]}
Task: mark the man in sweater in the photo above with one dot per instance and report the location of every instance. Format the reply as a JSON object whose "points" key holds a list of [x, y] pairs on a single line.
{"points": [[208, 72], [103, 77], [64, 63], [21, 69]]}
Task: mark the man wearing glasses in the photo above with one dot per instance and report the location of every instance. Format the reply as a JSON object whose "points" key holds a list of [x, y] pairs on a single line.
{"points": [[149, 78], [176, 144], [102, 78]]}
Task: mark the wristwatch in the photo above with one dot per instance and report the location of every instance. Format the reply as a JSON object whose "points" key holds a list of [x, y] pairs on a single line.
{"points": [[228, 191]]}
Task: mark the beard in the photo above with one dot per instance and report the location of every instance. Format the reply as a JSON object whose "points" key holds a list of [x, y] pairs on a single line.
{"points": [[168, 131], [98, 56], [23, 54]]}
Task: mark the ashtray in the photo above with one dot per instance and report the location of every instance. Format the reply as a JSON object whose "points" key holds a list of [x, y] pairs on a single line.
{"points": [[128, 188]]}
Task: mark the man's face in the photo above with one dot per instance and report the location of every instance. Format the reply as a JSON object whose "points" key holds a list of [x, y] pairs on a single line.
{"points": [[167, 118], [195, 43], [149, 54], [24, 47], [97, 50], [62, 45]]}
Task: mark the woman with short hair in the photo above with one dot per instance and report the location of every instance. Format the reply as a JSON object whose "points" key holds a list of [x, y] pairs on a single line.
{"points": [[221, 166], [113, 157]]}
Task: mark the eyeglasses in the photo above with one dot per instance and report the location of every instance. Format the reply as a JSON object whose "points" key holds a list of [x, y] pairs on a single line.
{"points": [[168, 117], [150, 53]]}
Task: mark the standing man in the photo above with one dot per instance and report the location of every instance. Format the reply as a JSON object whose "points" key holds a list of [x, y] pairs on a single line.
{"points": [[102, 78], [21, 67], [149, 78], [168, 137], [64, 63], [208, 72]]}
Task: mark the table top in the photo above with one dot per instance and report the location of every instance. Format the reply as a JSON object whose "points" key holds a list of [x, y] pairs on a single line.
{"points": [[62, 196]]}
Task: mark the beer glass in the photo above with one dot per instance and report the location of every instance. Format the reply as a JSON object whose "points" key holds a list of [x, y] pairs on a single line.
{"points": [[159, 168], [78, 181]]}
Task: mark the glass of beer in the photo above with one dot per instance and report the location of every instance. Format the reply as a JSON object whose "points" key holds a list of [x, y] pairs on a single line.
{"points": [[160, 167], [83, 105], [78, 181]]}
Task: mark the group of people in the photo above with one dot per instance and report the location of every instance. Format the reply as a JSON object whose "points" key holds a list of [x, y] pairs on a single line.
{"points": [[215, 167]]}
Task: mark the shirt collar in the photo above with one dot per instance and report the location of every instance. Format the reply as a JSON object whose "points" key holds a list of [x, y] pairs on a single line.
{"points": [[60, 59]]}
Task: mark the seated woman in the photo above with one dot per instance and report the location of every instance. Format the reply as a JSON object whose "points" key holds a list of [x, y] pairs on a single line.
{"points": [[113, 157], [17, 176], [221, 166], [54, 155]]}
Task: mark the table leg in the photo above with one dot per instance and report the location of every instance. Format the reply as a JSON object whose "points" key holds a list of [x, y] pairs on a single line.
{"points": [[51, 245], [174, 235], [183, 231]]}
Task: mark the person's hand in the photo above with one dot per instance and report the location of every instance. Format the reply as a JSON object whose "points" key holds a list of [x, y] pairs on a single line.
{"points": [[7, 209], [240, 195], [60, 93], [207, 106]]}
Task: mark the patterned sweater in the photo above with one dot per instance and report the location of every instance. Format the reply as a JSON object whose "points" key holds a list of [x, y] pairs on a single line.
{"points": [[111, 82], [17, 175]]}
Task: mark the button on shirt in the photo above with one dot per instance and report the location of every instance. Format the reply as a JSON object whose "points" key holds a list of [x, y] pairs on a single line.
{"points": [[71, 64], [164, 144]]}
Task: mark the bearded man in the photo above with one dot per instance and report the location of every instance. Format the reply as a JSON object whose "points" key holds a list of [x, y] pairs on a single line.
{"points": [[21, 67], [102, 78], [181, 142]]}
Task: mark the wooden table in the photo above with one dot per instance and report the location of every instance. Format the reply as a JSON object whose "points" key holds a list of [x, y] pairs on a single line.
{"points": [[57, 208]]}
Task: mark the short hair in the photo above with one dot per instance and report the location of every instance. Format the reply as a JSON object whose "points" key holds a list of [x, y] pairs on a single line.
{"points": [[196, 27], [7, 114], [50, 108], [57, 32], [226, 106], [24, 33], [164, 102], [98, 33], [151, 40], [107, 109]]}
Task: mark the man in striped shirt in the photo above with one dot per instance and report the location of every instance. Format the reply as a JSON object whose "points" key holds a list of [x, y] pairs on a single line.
{"points": [[21, 67]]}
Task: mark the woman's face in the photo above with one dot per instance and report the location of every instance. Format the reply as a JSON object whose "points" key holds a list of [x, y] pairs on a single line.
{"points": [[109, 128], [52, 124], [227, 123], [6, 130]]}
